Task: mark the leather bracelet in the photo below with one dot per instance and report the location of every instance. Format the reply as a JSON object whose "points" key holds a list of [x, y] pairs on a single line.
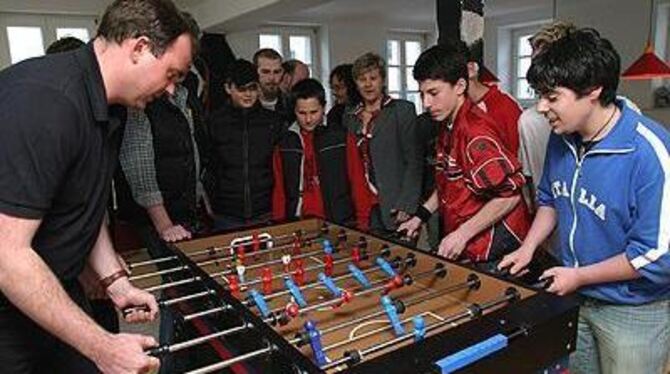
{"points": [[108, 280], [423, 213]]}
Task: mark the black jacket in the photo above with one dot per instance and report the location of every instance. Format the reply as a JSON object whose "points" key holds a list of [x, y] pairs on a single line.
{"points": [[331, 158], [174, 156], [240, 144], [174, 163]]}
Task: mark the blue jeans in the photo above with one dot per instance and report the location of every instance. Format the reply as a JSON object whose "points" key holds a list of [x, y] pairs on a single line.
{"points": [[621, 339]]}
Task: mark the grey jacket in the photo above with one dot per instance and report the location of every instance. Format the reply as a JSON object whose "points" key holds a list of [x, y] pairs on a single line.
{"points": [[396, 155]]}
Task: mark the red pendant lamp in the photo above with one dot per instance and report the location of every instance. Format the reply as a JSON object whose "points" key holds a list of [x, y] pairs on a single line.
{"points": [[486, 76], [648, 66]]}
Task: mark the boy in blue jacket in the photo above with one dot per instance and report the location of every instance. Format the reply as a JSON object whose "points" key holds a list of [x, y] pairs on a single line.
{"points": [[606, 187]]}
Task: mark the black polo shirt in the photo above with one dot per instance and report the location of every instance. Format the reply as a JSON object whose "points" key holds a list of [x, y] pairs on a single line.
{"points": [[58, 149]]}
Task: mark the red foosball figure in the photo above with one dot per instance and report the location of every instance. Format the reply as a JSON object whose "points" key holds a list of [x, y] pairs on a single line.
{"points": [[356, 255], [233, 286], [255, 244], [328, 266], [297, 247], [299, 272], [393, 284], [266, 278], [241, 255], [292, 310]]}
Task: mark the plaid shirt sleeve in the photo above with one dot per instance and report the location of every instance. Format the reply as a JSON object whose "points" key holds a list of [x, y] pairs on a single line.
{"points": [[137, 160]]}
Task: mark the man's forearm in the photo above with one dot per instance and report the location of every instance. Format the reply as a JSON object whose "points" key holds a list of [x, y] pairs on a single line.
{"points": [[103, 259], [432, 203], [159, 217], [543, 225], [491, 212], [614, 269], [31, 286]]}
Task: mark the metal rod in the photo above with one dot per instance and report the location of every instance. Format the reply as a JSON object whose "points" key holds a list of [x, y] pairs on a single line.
{"points": [[207, 312], [317, 283], [271, 262], [151, 262], [203, 313], [176, 300], [226, 272], [163, 286], [281, 275], [469, 313], [364, 291], [203, 263], [171, 348], [408, 303], [215, 249], [158, 273]]}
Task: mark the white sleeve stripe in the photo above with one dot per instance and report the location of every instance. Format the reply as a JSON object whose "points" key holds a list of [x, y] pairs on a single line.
{"points": [[663, 240]]}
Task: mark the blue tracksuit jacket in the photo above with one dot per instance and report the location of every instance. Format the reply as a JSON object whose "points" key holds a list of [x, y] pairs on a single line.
{"points": [[615, 200]]}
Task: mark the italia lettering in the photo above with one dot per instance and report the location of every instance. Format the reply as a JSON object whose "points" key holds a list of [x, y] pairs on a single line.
{"points": [[560, 188], [589, 200]]}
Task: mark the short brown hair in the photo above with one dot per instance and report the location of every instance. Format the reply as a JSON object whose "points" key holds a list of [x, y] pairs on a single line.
{"points": [[549, 34], [268, 53], [367, 62], [158, 20]]}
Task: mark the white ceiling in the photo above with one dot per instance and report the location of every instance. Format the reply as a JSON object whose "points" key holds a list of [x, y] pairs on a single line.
{"points": [[398, 13], [406, 11], [418, 13]]}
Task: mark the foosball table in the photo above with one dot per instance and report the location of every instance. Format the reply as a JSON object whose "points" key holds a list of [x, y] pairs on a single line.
{"points": [[314, 297]]}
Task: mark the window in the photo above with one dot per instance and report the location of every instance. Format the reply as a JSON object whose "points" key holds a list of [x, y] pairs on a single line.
{"points": [[402, 51], [292, 43], [270, 41], [24, 42], [662, 37], [79, 33], [24, 36], [521, 61]]}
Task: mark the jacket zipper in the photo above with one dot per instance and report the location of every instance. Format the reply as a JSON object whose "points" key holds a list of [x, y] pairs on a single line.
{"points": [[245, 150], [573, 229]]}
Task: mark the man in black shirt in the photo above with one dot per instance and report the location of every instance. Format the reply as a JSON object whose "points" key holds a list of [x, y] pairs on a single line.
{"points": [[59, 133]]}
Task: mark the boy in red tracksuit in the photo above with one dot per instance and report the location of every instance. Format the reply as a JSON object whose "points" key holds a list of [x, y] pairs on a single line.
{"points": [[316, 168], [478, 180]]}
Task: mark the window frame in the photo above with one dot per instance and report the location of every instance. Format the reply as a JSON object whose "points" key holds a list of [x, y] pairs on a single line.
{"points": [[48, 23], [402, 37], [516, 34], [285, 32], [662, 34]]}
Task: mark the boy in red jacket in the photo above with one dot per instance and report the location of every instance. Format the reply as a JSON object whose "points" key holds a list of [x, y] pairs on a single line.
{"points": [[478, 180]]}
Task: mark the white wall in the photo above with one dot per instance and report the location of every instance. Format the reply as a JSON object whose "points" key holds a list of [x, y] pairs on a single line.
{"points": [[340, 40], [87, 7], [498, 39], [625, 23]]}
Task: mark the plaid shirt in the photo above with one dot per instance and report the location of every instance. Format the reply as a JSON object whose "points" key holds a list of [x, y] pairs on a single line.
{"points": [[137, 155]]}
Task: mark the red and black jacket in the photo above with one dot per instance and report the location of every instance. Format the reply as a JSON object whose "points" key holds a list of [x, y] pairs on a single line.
{"points": [[474, 167]]}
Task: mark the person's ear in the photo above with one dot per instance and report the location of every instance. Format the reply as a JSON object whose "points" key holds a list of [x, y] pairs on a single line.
{"points": [[138, 47], [229, 88], [461, 86], [594, 95]]}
